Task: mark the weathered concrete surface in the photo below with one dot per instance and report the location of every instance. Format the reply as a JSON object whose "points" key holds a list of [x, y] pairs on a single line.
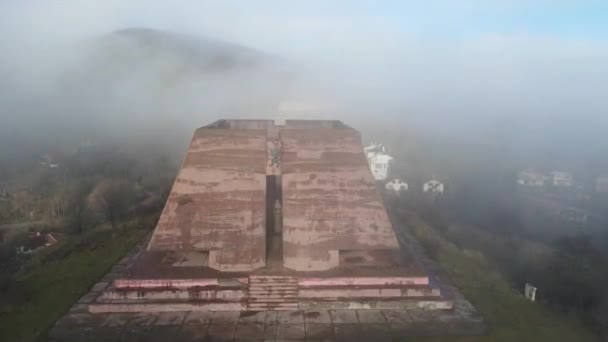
{"points": [[217, 203], [332, 213], [140, 295], [330, 201], [334, 325], [380, 324], [382, 293], [362, 281]]}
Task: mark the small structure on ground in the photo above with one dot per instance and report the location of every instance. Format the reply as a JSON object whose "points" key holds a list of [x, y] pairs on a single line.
{"points": [[379, 161], [574, 215], [530, 292], [531, 179], [49, 161], [53, 237], [37, 240], [601, 184], [433, 186], [396, 186], [561, 179], [4, 194]]}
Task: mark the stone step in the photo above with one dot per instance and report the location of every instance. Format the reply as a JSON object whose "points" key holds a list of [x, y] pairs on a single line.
{"points": [[272, 308], [158, 295], [273, 293], [269, 283], [273, 304], [289, 286], [262, 307], [272, 300], [383, 293], [270, 288], [273, 282], [269, 279]]}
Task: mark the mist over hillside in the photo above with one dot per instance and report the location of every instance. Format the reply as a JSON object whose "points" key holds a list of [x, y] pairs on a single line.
{"points": [[138, 83], [488, 119], [149, 84]]}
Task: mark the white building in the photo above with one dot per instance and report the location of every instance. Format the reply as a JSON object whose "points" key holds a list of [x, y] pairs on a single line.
{"points": [[601, 184], [561, 179], [531, 179], [48, 161], [396, 185], [433, 186], [379, 161], [530, 292]]}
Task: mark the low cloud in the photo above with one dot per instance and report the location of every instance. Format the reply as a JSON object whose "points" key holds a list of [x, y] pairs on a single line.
{"points": [[417, 68]]}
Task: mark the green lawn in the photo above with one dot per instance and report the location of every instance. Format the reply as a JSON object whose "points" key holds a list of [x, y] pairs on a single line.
{"points": [[60, 275], [508, 315]]}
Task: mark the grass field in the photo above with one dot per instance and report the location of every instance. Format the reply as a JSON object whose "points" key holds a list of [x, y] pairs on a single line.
{"points": [[508, 315], [61, 274]]}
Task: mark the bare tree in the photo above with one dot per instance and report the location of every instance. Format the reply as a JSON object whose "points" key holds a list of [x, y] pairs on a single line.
{"points": [[78, 215], [113, 199]]}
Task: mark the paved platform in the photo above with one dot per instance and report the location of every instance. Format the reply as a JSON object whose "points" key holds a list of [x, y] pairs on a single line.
{"points": [[315, 324], [323, 325]]}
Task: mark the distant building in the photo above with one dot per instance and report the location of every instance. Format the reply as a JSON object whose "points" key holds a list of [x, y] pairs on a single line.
{"points": [[52, 238], [379, 161], [601, 184], [574, 215], [49, 161], [561, 179], [530, 292], [530, 178], [433, 186], [38, 239], [3, 194], [396, 185]]}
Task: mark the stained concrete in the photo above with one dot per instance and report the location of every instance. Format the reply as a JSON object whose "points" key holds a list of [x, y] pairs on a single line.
{"points": [[344, 316], [310, 325], [313, 317], [351, 325], [371, 316]]}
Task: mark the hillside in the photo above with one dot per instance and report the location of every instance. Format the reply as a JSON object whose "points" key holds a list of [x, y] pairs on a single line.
{"points": [[125, 82], [508, 315]]}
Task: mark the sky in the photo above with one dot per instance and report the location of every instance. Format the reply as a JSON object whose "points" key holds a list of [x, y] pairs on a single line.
{"points": [[492, 64], [465, 19]]}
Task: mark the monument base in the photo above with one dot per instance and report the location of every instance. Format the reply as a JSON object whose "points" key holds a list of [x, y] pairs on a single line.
{"points": [[267, 292]]}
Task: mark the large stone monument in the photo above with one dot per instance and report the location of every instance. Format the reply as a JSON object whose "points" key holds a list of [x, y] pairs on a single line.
{"points": [[271, 217]]}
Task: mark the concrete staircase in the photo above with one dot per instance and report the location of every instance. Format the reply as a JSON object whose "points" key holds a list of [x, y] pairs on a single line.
{"points": [[272, 293]]}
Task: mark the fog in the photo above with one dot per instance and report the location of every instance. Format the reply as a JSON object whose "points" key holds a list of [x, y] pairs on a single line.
{"points": [[482, 100], [442, 70]]}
